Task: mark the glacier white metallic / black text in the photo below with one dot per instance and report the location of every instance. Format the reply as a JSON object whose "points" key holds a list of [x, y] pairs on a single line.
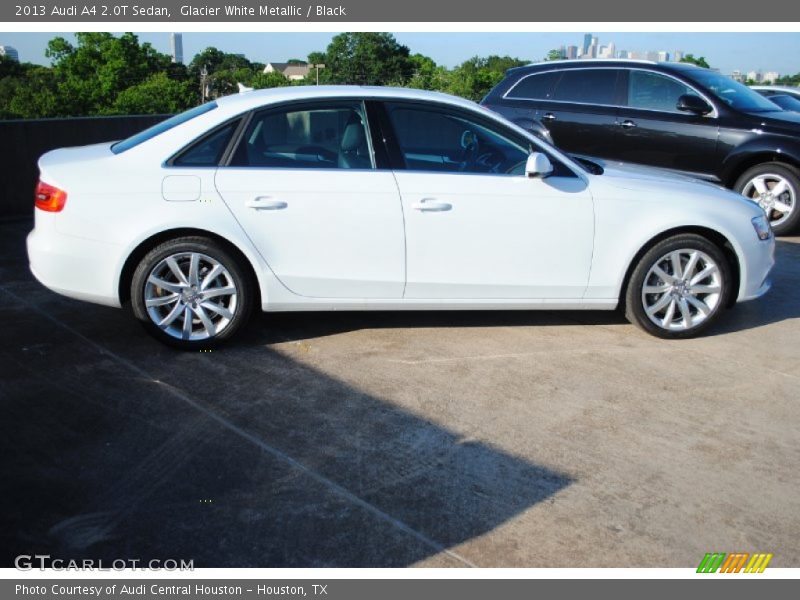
{"points": [[352, 198]]}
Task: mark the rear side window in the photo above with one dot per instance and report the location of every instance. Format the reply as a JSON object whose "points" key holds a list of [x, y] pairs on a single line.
{"points": [[587, 86], [160, 128], [208, 151], [538, 86], [323, 137]]}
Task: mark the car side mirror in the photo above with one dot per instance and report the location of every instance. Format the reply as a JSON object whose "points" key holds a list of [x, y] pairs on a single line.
{"points": [[693, 104], [538, 165]]}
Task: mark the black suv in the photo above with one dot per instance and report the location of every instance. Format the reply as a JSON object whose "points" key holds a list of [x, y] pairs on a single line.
{"points": [[670, 115]]}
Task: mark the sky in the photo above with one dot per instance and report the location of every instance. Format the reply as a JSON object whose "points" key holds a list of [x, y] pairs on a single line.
{"points": [[726, 51]]}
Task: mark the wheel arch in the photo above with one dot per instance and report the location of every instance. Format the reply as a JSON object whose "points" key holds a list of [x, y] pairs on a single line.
{"points": [[712, 235], [738, 164], [139, 252]]}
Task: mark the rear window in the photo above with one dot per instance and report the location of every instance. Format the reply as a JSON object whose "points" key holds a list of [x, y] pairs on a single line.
{"points": [[160, 128], [587, 86], [534, 87]]}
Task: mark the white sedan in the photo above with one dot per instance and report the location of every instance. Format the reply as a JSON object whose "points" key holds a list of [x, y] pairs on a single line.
{"points": [[353, 198]]}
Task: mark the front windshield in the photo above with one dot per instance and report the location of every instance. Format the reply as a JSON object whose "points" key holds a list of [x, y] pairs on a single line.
{"points": [[735, 95]]}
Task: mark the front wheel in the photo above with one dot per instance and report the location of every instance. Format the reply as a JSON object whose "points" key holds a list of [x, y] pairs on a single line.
{"points": [[679, 287], [775, 187], [191, 293]]}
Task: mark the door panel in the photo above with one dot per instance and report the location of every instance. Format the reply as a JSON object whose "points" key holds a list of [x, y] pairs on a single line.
{"points": [[495, 236], [302, 186], [653, 132]]}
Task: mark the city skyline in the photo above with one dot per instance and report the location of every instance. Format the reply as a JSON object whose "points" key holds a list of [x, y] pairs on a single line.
{"points": [[728, 52]]}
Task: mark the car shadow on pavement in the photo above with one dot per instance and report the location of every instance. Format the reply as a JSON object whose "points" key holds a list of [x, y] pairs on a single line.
{"points": [[115, 447]]}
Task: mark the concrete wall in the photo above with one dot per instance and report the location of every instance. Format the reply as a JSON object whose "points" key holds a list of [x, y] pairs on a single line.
{"points": [[22, 142]]}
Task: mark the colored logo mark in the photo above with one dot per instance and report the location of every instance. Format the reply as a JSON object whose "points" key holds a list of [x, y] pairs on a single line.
{"points": [[736, 562]]}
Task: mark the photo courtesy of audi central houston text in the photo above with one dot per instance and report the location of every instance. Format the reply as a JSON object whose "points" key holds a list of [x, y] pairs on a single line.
{"points": [[364, 299]]}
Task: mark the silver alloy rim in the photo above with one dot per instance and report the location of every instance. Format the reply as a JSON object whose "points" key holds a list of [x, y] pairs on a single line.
{"points": [[774, 193], [190, 296], [682, 289]]}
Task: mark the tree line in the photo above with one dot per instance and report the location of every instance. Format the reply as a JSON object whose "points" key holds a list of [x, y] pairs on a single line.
{"points": [[104, 74]]}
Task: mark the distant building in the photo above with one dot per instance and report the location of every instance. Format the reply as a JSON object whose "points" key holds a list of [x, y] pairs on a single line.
{"points": [[677, 56], [572, 52], [176, 41], [292, 71], [663, 56], [587, 41], [10, 53], [737, 76], [770, 77], [754, 76]]}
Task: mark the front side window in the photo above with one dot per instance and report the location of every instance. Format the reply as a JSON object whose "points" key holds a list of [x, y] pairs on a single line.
{"points": [[534, 87], [433, 139], [732, 93], [651, 91], [324, 137], [587, 86]]}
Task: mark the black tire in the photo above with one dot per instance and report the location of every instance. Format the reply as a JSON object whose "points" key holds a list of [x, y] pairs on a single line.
{"points": [[635, 297], [792, 176], [235, 308]]}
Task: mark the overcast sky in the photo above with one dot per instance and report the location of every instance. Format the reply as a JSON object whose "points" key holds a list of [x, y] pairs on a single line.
{"points": [[727, 51]]}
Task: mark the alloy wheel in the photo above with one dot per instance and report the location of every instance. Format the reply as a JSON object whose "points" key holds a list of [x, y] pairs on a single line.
{"points": [[682, 289], [773, 193], [190, 296]]}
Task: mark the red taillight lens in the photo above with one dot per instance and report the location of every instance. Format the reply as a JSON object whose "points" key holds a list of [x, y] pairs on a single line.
{"points": [[49, 198]]}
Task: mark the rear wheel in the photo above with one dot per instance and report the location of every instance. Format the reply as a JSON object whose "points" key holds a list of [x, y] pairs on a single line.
{"points": [[775, 187], [679, 287], [191, 293]]}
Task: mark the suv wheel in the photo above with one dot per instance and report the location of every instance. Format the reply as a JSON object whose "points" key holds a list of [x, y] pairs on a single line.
{"points": [[679, 287], [191, 293], [775, 188]]}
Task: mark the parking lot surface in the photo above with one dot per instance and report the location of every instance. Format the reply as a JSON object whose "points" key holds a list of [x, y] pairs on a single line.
{"points": [[516, 439]]}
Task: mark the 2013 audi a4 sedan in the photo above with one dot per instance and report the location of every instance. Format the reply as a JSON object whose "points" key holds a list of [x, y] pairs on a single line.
{"points": [[355, 198]]}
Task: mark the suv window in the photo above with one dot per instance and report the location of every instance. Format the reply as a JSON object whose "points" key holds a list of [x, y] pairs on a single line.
{"points": [[324, 137], [207, 152], [587, 86], [653, 91], [538, 86]]}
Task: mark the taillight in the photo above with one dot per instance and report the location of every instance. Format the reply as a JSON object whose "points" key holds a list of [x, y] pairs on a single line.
{"points": [[49, 198]]}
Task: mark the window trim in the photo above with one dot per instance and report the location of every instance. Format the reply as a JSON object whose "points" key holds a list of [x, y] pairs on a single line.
{"points": [[296, 106], [398, 160], [714, 114], [170, 162]]}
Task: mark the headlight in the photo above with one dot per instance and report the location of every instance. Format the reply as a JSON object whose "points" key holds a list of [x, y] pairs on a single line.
{"points": [[761, 225]]}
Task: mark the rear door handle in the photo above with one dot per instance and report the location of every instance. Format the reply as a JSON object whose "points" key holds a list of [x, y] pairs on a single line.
{"points": [[627, 124], [431, 205], [265, 203], [549, 116]]}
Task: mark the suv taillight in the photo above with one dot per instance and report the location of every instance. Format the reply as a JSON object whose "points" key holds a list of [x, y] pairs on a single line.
{"points": [[49, 198]]}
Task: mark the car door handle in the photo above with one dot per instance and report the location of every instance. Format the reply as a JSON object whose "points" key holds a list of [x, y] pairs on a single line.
{"points": [[265, 203], [627, 124], [549, 116], [431, 205]]}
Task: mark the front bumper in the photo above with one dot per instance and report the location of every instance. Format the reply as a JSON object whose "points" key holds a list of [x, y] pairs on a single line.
{"points": [[756, 265]]}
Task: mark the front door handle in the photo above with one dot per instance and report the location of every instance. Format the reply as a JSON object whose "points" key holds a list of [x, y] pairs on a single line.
{"points": [[549, 116], [265, 203], [627, 124], [431, 205]]}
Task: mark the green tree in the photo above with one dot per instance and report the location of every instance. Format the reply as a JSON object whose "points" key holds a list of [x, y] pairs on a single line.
{"points": [[474, 78], [158, 94], [788, 80], [92, 74], [700, 61], [427, 75], [365, 58], [554, 54], [269, 80], [33, 96]]}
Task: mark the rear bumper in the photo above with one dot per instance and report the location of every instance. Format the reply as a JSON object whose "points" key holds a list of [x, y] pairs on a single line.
{"points": [[74, 267]]}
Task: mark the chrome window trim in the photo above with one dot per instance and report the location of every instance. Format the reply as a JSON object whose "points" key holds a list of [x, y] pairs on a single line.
{"points": [[712, 115]]}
